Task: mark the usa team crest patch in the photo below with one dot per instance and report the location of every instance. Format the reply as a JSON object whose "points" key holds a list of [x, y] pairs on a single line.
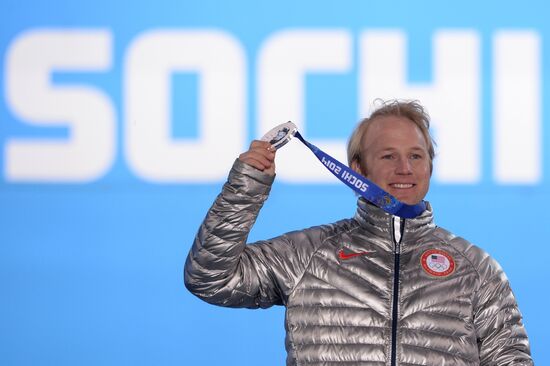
{"points": [[437, 262]]}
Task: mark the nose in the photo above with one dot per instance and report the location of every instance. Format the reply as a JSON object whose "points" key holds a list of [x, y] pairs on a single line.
{"points": [[403, 166]]}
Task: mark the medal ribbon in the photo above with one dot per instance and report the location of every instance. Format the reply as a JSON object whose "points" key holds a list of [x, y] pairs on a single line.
{"points": [[364, 187]]}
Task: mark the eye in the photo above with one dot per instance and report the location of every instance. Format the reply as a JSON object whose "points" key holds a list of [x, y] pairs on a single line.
{"points": [[416, 156], [387, 156]]}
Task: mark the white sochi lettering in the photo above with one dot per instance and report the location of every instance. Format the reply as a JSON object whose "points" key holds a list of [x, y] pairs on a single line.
{"points": [[354, 181], [517, 107], [283, 62], [150, 62], [331, 165], [456, 76], [88, 151]]}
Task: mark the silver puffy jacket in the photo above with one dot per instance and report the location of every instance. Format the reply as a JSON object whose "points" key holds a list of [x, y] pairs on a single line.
{"points": [[361, 291]]}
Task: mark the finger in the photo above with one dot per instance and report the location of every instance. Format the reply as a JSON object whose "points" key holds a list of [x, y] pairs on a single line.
{"points": [[261, 164], [259, 144], [260, 150], [262, 157]]}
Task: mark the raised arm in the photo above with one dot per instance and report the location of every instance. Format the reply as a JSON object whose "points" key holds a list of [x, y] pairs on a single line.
{"points": [[220, 268]]}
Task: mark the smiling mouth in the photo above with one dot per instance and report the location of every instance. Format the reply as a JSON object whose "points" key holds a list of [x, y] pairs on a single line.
{"points": [[401, 185]]}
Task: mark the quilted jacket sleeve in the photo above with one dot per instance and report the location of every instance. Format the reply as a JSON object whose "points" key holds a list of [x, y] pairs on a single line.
{"points": [[222, 269], [502, 338]]}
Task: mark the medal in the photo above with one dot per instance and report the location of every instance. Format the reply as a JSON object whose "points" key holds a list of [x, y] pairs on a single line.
{"points": [[280, 135]]}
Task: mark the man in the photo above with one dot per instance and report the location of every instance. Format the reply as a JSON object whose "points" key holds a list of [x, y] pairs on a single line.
{"points": [[372, 290]]}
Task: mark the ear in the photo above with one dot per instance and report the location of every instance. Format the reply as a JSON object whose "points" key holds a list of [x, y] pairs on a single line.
{"points": [[356, 166]]}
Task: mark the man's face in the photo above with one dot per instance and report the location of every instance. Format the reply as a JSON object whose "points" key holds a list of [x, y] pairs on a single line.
{"points": [[394, 155]]}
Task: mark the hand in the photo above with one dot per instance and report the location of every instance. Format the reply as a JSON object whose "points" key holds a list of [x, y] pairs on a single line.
{"points": [[261, 156]]}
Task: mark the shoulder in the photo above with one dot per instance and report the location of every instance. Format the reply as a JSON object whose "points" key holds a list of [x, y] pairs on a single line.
{"points": [[321, 233], [480, 261], [297, 248], [306, 242]]}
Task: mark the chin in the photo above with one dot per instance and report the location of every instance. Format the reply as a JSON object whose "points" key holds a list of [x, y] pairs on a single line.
{"points": [[410, 198], [407, 200]]}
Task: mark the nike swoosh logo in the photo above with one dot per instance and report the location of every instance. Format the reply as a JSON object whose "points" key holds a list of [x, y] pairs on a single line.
{"points": [[343, 255]]}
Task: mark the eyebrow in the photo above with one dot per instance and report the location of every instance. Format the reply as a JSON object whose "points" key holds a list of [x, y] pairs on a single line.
{"points": [[415, 148]]}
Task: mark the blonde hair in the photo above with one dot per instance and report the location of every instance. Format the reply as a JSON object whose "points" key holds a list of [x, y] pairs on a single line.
{"points": [[412, 110]]}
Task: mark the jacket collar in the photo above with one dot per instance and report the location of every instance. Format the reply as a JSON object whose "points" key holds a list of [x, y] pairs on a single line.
{"points": [[380, 223]]}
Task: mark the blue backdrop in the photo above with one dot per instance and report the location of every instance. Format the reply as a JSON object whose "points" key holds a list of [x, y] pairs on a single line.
{"points": [[119, 120]]}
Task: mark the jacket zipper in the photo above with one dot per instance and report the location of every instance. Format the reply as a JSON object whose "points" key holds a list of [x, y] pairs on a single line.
{"points": [[397, 254]]}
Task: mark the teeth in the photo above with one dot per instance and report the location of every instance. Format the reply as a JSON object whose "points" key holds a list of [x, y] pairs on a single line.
{"points": [[402, 185]]}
